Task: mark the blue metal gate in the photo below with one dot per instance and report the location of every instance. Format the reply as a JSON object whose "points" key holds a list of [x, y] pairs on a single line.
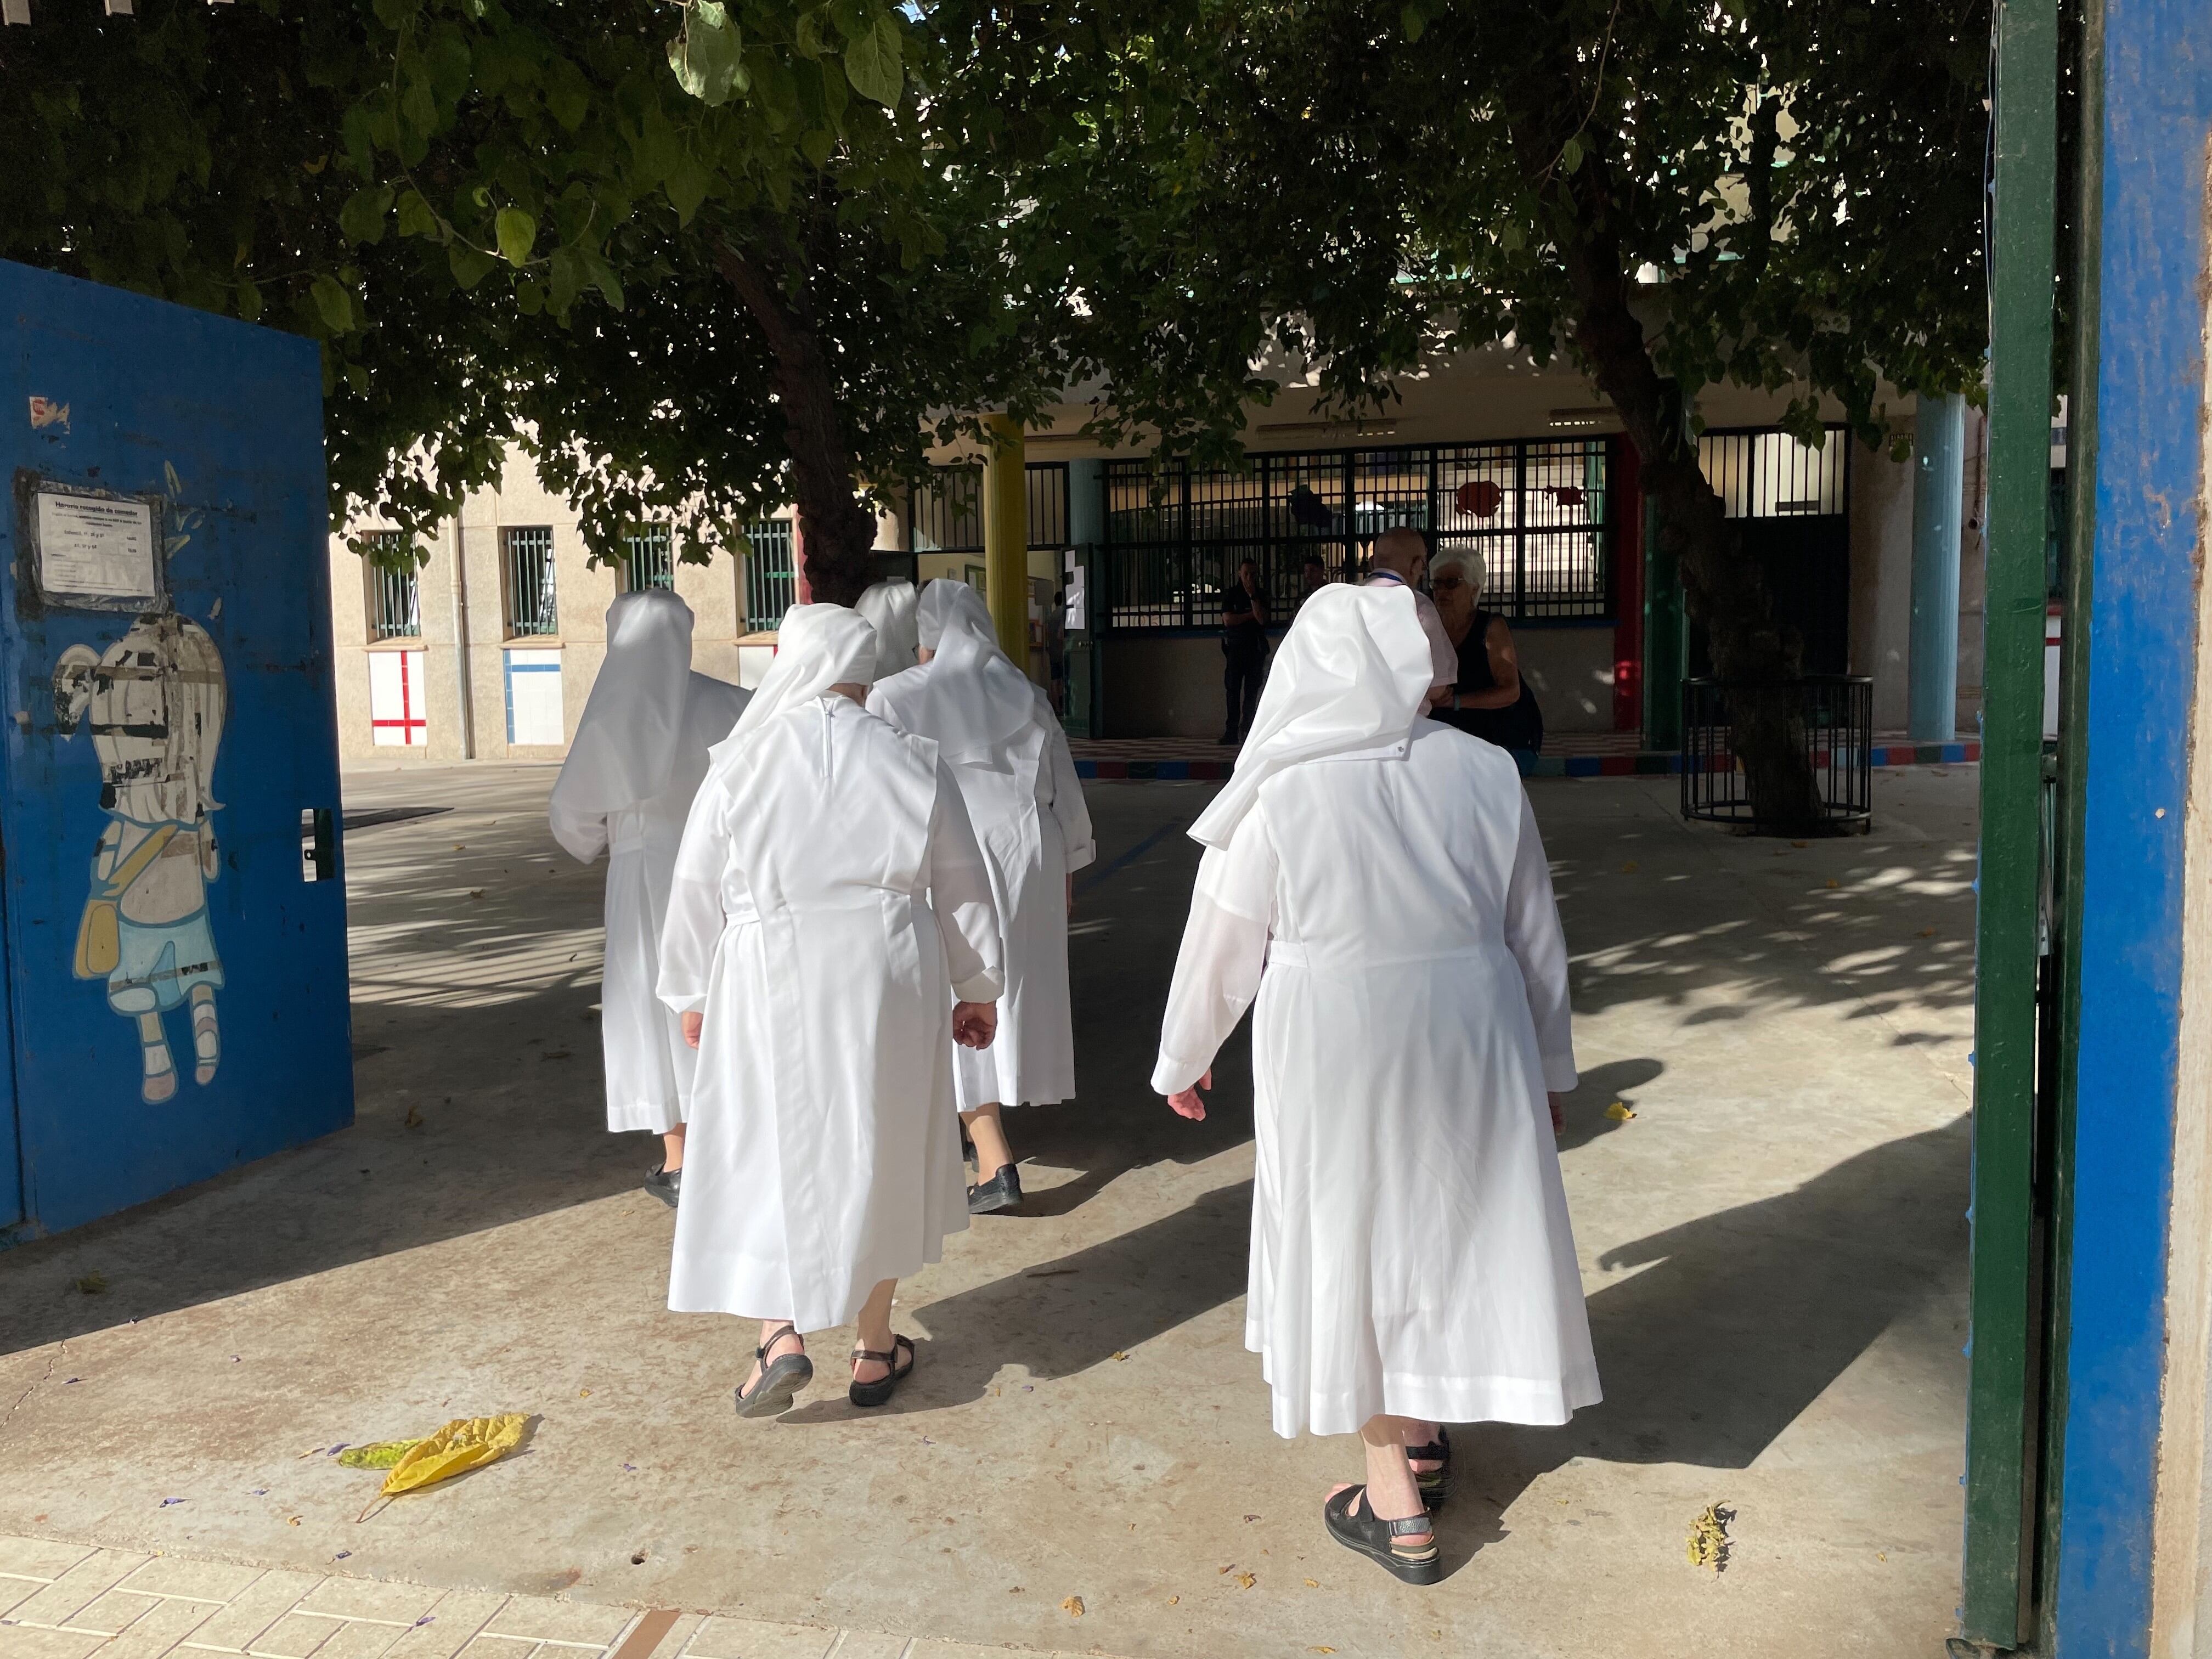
{"points": [[175, 928]]}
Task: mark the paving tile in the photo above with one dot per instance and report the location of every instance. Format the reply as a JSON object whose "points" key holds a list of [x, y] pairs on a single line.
{"points": [[754, 1639], [931, 1648], [14, 1592], [24, 1644], [361, 1639], [871, 1644], [117, 1610], [456, 1618], [294, 1635], [167, 1623], [39, 1557], [79, 1587], [501, 1647], [671, 1642], [203, 1581], [583, 1624], [257, 1607], [366, 1598]]}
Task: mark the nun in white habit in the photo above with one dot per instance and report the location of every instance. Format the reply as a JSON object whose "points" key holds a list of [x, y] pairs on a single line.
{"points": [[1375, 880], [890, 609], [1006, 748], [830, 935], [639, 754]]}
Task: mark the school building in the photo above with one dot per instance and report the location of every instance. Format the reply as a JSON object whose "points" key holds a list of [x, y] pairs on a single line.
{"points": [[1527, 467]]}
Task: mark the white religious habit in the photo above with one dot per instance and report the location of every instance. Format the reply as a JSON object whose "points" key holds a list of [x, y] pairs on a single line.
{"points": [[625, 789], [1006, 748], [1378, 881], [890, 609], [829, 904]]}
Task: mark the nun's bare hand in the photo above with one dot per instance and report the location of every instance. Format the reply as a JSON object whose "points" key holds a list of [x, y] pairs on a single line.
{"points": [[692, 1022], [1186, 1102], [974, 1023]]}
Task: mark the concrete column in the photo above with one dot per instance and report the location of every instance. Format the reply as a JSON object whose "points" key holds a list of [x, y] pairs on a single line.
{"points": [[1086, 502], [1939, 453], [1005, 537]]}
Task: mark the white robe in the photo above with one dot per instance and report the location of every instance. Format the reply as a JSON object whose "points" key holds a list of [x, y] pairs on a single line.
{"points": [[648, 1065], [1411, 1251], [829, 902], [1027, 806]]}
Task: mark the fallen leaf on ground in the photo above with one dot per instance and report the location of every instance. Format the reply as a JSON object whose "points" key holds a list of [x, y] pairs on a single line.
{"points": [[1832, 882], [476, 892], [1172, 1600], [460, 847], [1620, 1111], [1800, 843], [1710, 1544], [292, 1520], [464, 1444], [583, 1393], [1247, 1580], [1313, 1583], [1118, 1354], [1928, 933], [379, 1455], [1320, 1649], [93, 1283], [1073, 1607], [414, 1118]]}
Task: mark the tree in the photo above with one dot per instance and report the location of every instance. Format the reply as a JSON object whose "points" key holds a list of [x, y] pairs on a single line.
{"points": [[1770, 193]]}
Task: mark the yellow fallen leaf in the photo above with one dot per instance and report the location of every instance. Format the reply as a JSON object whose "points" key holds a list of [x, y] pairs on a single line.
{"points": [[464, 1443], [1313, 1583], [1247, 1580], [1620, 1111], [583, 1393], [1172, 1600], [1320, 1649], [1928, 933], [377, 1455], [414, 1118], [1832, 882], [1710, 1543], [292, 1520], [1118, 1354], [1073, 1607]]}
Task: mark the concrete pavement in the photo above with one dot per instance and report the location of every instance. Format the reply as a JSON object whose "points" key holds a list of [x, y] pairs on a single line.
{"points": [[1772, 1244]]}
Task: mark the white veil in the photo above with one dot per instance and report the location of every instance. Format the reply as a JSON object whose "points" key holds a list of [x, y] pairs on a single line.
{"points": [[817, 647], [627, 743], [890, 609], [971, 696]]}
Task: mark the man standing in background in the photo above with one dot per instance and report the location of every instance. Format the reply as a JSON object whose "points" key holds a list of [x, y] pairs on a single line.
{"points": [[1244, 644]]}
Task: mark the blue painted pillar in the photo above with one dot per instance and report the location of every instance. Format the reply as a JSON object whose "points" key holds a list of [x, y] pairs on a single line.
{"points": [[1939, 453], [1086, 502]]}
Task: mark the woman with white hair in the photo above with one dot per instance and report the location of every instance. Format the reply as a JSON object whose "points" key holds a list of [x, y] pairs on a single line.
{"points": [[830, 936], [1492, 700], [638, 758], [1010, 757], [1376, 883]]}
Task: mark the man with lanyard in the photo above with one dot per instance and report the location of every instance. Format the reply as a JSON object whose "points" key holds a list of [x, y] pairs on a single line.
{"points": [[1244, 644], [1400, 558]]}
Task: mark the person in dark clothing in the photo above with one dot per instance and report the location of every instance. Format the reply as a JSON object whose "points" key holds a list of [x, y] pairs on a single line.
{"points": [[1492, 700], [1244, 646]]}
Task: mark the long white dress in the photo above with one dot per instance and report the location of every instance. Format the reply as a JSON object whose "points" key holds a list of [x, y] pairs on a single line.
{"points": [[829, 902], [1027, 806], [1392, 909], [644, 731]]}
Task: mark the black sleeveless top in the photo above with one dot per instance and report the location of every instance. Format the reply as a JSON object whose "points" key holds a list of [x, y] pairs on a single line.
{"points": [[1519, 725]]}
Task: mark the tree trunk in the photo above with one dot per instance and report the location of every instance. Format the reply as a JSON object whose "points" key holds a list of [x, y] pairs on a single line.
{"points": [[1722, 584], [836, 531]]}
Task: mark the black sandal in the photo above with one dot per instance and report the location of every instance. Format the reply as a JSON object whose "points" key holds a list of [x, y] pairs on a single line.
{"points": [[779, 1382], [876, 1393], [1377, 1539], [1435, 1484]]}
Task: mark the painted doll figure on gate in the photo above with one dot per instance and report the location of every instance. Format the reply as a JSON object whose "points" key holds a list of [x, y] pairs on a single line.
{"points": [[156, 698]]}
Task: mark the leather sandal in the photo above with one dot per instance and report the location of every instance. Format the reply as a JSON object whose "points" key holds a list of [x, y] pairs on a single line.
{"points": [[1377, 1539], [772, 1394], [1436, 1483], [876, 1393]]}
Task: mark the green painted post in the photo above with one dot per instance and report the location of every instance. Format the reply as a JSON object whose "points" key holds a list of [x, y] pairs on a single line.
{"points": [[2000, 1475], [1666, 638]]}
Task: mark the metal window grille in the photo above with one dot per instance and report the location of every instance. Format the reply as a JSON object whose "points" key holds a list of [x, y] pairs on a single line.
{"points": [[649, 558], [395, 600], [946, 515], [771, 579], [527, 556], [1831, 716], [1765, 474], [1539, 511]]}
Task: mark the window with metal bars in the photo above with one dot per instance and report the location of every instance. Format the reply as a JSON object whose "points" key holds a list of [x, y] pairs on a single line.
{"points": [[649, 558], [946, 515], [526, 564], [771, 580], [1539, 513], [395, 600], [1765, 474]]}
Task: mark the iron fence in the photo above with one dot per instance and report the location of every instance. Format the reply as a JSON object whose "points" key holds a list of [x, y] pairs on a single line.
{"points": [[1830, 716], [946, 515], [771, 578], [395, 597], [1762, 473], [649, 558], [526, 563], [1538, 513]]}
